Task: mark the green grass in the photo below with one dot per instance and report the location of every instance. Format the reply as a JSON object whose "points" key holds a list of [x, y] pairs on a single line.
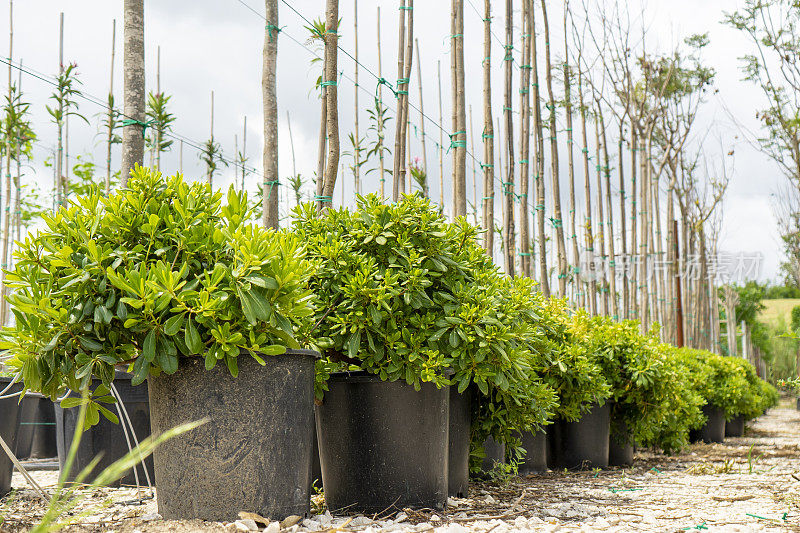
{"points": [[777, 310]]}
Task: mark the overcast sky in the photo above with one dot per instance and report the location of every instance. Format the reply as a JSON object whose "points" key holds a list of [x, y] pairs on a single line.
{"points": [[216, 45]]}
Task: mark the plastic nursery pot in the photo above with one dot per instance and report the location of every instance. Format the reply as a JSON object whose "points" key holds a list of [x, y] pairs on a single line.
{"points": [[582, 444], [620, 453], [107, 438], [383, 445], [535, 445], [734, 427], [459, 438], [797, 405], [714, 429], [44, 433], [495, 453], [316, 468], [9, 427], [27, 425], [253, 455]]}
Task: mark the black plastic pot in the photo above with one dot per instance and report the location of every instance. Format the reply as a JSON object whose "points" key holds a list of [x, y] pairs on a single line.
{"points": [[797, 405], [316, 468], [27, 425], [734, 427], [253, 455], [459, 438], [44, 434], [383, 445], [9, 428], [714, 429], [495, 453], [535, 445], [107, 438], [582, 444], [619, 454]]}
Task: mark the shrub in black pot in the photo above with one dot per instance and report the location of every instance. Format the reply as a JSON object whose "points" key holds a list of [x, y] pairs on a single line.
{"points": [[415, 302], [163, 279], [10, 416]]}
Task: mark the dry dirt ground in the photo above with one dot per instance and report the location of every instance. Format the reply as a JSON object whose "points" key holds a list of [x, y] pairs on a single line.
{"points": [[746, 484]]}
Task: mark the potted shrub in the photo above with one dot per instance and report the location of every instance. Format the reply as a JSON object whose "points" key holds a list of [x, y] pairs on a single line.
{"points": [[188, 294], [10, 416], [408, 304], [579, 436], [754, 400]]}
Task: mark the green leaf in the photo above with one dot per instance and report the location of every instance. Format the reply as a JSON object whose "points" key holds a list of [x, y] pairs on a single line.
{"points": [[354, 344], [149, 347], [192, 338], [273, 349], [141, 368], [68, 403], [90, 344], [173, 325]]}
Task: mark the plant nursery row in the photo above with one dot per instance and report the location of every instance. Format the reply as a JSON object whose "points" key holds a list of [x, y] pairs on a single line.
{"points": [[377, 350]]}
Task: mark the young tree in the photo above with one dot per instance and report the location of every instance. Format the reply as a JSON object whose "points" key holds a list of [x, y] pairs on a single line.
{"points": [[133, 87], [459, 135], [327, 183], [270, 101], [488, 133]]}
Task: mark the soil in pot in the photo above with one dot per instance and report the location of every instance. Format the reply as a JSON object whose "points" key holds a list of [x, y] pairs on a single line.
{"points": [[734, 427], [383, 445], [535, 445], [582, 444], [9, 427], [459, 435], [714, 429], [107, 437], [253, 455]]}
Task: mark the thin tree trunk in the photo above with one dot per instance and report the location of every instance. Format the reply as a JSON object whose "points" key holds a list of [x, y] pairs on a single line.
{"points": [[422, 123], [488, 133], [559, 226], [591, 296], [134, 88], [9, 140], [635, 250], [601, 231], [459, 135], [110, 116], [154, 131], [538, 177], [524, 137], [398, 171], [624, 250], [59, 166], [441, 139], [509, 246], [357, 147], [576, 280], [322, 143], [332, 117], [269, 96], [210, 162], [244, 149], [609, 229], [381, 161], [644, 232], [474, 171]]}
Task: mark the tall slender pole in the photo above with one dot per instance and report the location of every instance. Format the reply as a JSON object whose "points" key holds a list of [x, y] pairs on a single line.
{"points": [[459, 134], [269, 92], [133, 88], [474, 171], [488, 133], [60, 150], [441, 139], [110, 117], [422, 119], [210, 162], [509, 246], [9, 139], [380, 111], [157, 131], [244, 148], [332, 106], [576, 273], [538, 177], [398, 170], [524, 137], [357, 147]]}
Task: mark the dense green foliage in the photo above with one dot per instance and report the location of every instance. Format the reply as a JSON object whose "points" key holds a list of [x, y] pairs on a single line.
{"points": [[568, 363], [406, 295], [155, 272]]}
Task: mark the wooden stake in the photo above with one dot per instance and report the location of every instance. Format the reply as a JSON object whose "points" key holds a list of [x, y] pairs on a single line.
{"points": [[441, 139], [509, 237], [577, 285], [459, 134], [524, 137], [380, 110], [488, 133], [474, 171], [357, 147], [422, 121], [591, 296], [110, 117], [332, 121]]}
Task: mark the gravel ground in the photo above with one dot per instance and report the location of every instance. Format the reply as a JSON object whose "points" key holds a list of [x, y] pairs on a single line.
{"points": [[746, 484]]}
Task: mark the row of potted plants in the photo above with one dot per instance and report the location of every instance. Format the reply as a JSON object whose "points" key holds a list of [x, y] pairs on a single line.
{"points": [[422, 350]]}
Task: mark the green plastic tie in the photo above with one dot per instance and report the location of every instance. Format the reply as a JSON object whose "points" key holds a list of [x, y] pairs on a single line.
{"points": [[407, 8], [318, 198], [133, 121], [270, 27], [699, 526], [328, 83]]}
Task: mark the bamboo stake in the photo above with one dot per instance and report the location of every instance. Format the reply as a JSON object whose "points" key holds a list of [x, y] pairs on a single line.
{"points": [[488, 133], [380, 109], [625, 304], [441, 139], [9, 136], [398, 172], [474, 172], [210, 163], [591, 296], [156, 132], [110, 116], [557, 220], [180, 157], [601, 231], [459, 145], [538, 177], [609, 231], [244, 148], [579, 298], [524, 137], [60, 150], [635, 251], [509, 246], [357, 147], [422, 118]]}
